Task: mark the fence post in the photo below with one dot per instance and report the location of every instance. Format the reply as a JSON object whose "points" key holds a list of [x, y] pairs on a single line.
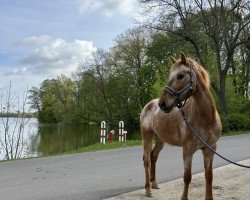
{"points": [[125, 135], [121, 131], [103, 132]]}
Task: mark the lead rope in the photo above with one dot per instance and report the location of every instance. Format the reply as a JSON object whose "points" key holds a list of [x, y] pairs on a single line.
{"points": [[200, 139]]}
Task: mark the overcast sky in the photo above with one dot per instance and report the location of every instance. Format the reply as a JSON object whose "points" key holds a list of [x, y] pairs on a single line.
{"points": [[41, 39]]}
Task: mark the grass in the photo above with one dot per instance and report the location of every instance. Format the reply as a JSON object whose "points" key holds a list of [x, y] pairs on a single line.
{"points": [[107, 146], [131, 143], [229, 133], [92, 148]]}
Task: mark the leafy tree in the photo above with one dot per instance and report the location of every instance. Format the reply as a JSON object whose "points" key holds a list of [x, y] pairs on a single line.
{"points": [[34, 98], [121, 81], [48, 101], [56, 99], [131, 48]]}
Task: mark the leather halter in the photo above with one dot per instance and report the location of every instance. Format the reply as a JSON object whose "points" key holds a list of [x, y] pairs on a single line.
{"points": [[188, 88]]}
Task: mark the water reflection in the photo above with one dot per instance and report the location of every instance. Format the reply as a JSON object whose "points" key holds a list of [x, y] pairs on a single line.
{"points": [[59, 138]]}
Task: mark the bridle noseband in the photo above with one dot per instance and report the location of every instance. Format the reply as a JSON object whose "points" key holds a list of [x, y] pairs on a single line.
{"points": [[187, 89]]}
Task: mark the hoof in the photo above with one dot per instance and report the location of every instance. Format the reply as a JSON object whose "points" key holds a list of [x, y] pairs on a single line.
{"points": [[155, 186], [149, 194]]}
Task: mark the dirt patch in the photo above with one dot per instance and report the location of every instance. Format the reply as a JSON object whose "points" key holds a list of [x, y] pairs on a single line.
{"points": [[230, 182]]}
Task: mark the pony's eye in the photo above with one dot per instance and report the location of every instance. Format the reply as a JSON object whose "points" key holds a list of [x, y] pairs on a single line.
{"points": [[180, 76]]}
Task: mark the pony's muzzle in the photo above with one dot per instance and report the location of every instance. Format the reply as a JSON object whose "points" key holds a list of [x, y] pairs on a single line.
{"points": [[164, 107]]}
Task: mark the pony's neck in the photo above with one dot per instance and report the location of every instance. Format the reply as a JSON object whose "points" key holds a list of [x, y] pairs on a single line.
{"points": [[204, 107]]}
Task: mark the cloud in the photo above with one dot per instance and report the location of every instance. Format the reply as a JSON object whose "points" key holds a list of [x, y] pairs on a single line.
{"points": [[16, 71], [34, 41], [108, 8], [52, 56]]}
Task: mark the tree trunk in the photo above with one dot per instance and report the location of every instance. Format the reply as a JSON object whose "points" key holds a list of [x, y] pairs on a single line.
{"points": [[222, 95], [236, 90]]}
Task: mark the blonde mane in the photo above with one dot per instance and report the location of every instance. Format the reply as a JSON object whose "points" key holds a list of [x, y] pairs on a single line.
{"points": [[198, 69], [203, 72]]}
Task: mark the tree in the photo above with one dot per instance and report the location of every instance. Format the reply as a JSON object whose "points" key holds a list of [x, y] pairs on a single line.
{"points": [[94, 73], [55, 100], [34, 97], [131, 48], [220, 24], [119, 82], [12, 140]]}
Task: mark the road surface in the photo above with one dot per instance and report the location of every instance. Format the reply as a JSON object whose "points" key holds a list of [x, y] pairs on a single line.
{"points": [[103, 174]]}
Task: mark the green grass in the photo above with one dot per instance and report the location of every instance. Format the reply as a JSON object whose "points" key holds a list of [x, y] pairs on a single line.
{"points": [[92, 148], [131, 143], [107, 146], [229, 133]]}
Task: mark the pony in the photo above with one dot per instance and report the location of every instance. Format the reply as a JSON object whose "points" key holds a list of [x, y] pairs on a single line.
{"points": [[161, 120]]}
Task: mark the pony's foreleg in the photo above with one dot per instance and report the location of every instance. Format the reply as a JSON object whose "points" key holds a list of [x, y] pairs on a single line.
{"points": [[147, 147], [208, 164], [154, 156], [187, 159]]}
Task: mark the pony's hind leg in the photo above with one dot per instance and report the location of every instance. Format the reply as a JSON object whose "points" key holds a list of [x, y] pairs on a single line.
{"points": [[147, 137], [187, 159], [208, 164], [154, 156]]}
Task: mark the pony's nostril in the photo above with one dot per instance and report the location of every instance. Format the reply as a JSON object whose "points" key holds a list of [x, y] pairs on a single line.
{"points": [[162, 104], [166, 108]]}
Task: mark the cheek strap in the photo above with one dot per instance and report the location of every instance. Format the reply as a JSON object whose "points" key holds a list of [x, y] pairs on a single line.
{"points": [[187, 89]]}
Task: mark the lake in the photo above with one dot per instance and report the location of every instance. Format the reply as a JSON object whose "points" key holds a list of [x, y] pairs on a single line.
{"points": [[48, 139]]}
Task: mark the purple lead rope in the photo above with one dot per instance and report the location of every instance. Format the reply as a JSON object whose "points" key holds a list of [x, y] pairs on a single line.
{"points": [[200, 139]]}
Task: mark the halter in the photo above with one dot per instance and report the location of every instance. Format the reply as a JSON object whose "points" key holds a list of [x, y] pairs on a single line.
{"points": [[188, 88]]}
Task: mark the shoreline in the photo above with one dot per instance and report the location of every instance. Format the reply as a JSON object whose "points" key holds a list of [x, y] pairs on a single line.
{"points": [[110, 146]]}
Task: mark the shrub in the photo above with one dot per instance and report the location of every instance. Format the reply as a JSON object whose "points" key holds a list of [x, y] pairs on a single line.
{"points": [[225, 125], [236, 121]]}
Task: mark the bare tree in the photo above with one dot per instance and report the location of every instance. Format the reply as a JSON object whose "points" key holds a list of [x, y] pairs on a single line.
{"points": [[13, 116]]}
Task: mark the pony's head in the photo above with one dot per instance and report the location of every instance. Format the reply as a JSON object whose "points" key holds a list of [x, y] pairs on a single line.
{"points": [[182, 82]]}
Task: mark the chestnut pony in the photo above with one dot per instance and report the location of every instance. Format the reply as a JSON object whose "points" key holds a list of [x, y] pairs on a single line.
{"points": [[161, 119]]}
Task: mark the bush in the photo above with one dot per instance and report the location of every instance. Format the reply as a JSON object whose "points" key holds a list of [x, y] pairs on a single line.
{"points": [[236, 121], [225, 125]]}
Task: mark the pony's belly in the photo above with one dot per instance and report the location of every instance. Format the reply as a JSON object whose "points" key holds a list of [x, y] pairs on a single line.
{"points": [[171, 140], [172, 137]]}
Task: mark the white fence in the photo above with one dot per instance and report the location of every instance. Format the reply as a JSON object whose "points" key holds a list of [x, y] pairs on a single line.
{"points": [[103, 132], [122, 134]]}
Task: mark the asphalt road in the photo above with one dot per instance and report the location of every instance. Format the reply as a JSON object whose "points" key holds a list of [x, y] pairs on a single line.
{"points": [[103, 174]]}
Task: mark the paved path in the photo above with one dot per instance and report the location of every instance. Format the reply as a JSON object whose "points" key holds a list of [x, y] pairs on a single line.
{"points": [[103, 174], [230, 182]]}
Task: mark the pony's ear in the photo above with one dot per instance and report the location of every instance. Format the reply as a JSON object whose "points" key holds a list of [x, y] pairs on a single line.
{"points": [[173, 60], [183, 58]]}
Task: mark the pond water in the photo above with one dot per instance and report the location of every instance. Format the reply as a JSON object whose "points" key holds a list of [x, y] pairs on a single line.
{"points": [[49, 139]]}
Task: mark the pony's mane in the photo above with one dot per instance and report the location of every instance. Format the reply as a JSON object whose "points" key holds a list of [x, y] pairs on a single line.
{"points": [[202, 71], [198, 69]]}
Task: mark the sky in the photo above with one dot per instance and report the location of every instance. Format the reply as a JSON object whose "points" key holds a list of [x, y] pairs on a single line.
{"points": [[42, 39]]}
